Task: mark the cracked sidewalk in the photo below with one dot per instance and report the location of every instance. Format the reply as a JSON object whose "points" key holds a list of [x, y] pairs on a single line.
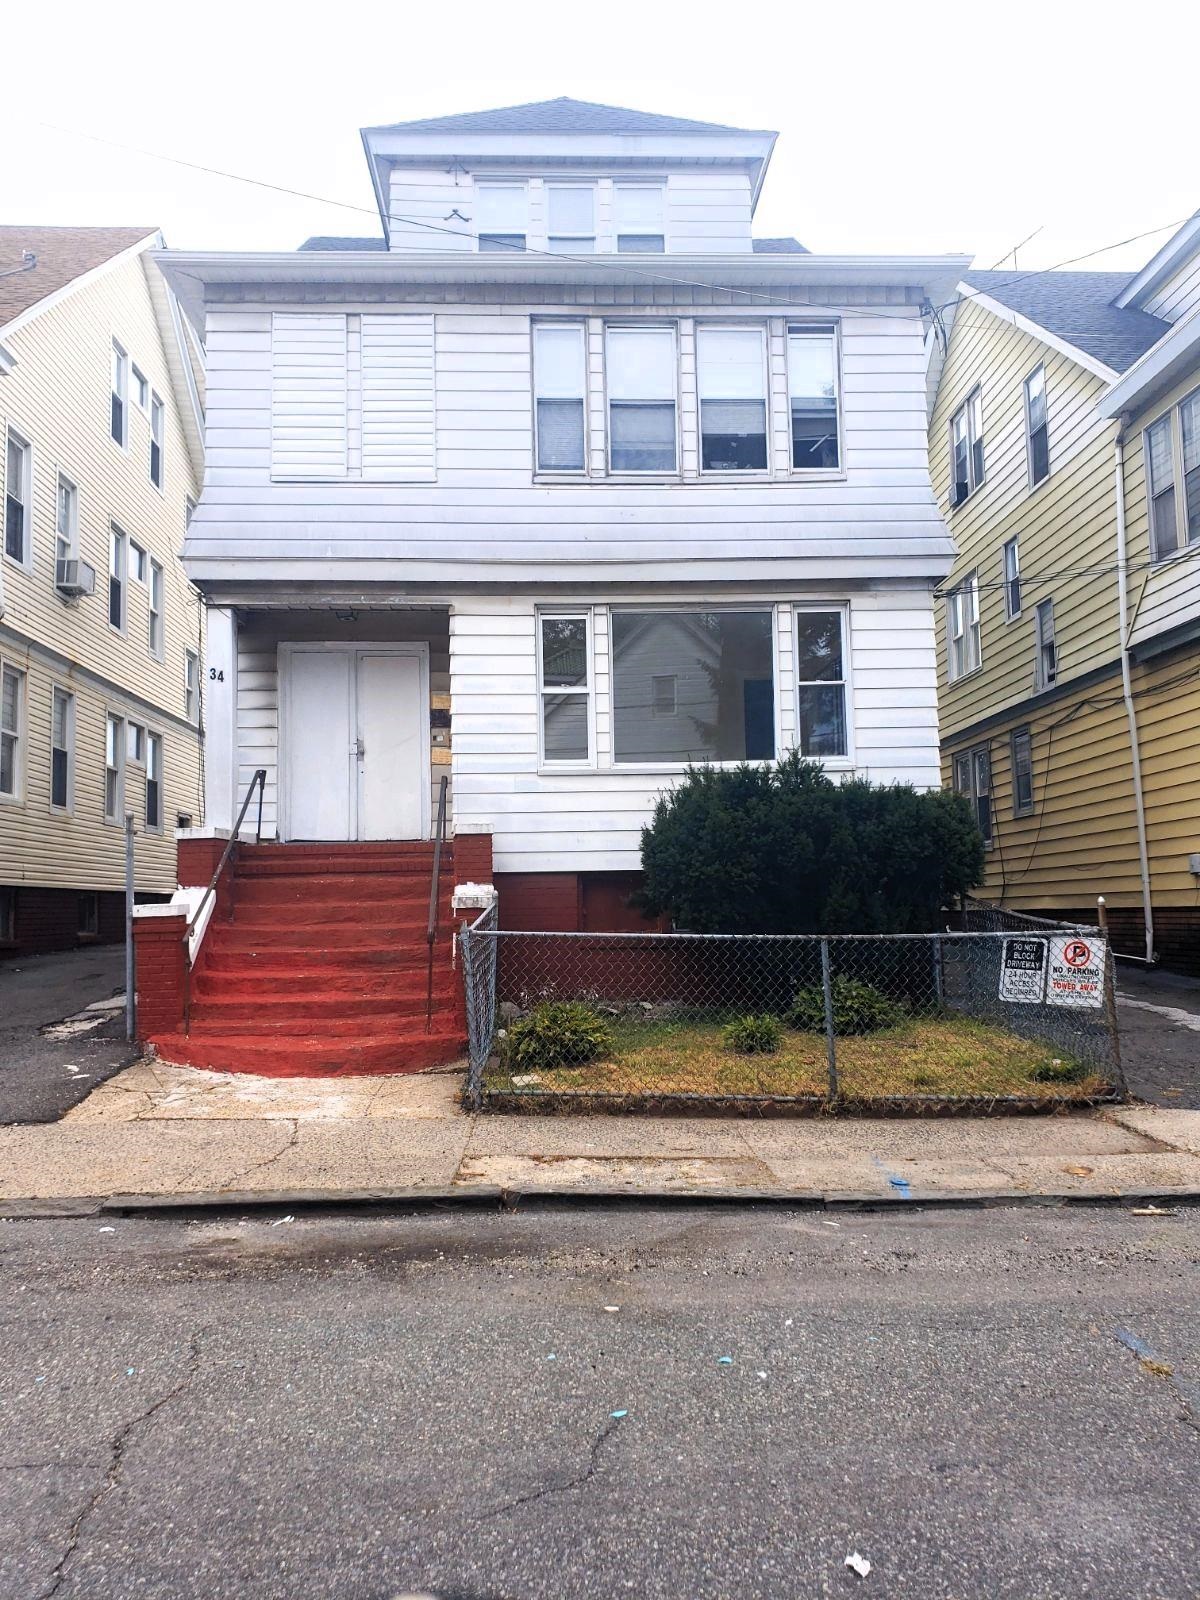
{"points": [[163, 1135]]}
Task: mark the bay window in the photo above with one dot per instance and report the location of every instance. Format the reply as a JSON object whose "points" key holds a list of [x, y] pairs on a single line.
{"points": [[571, 218], [638, 218], [640, 369], [732, 379], [821, 683], [720, 702], [560, 380], [564, 687], [501, 216], [813, 398]]}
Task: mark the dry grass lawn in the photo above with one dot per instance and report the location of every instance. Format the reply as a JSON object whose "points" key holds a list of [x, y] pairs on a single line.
{"points": [[936, 1057]]}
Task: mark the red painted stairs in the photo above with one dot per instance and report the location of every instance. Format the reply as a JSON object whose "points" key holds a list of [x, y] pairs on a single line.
{"points": [[322, 970]]}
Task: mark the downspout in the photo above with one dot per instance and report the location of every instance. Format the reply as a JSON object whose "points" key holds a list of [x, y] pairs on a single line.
{"points": [[1139, 804]]}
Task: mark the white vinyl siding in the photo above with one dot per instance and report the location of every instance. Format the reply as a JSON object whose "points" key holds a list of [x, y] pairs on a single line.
{"points": [[397, 397], [308, 396]]}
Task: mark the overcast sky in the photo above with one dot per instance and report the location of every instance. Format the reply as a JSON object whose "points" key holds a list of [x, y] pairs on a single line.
{"points": [[905, 128]]}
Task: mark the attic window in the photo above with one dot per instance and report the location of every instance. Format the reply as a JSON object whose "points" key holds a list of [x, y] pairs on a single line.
{"points": [[571, 218], [638, 218], [501, 216]]}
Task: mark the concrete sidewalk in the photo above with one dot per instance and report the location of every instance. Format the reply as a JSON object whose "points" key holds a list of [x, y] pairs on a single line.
{"points": [[158, 1134]]}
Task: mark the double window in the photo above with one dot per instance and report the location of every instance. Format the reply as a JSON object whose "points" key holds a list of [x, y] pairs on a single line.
{"points": [[158, 418], [973, 780], [966, 448], [119, 410], [813, 397], [1012, 578], [118, 558], [18, 494], [62, 749], [1045, 667], [1021, 747], [66, 527], [502, 216], [638, 218], [1172, 448], [571, 218], [731, 369], [962, 628], [641, 367], [12, 715], [114, 768], [1037, 432]]}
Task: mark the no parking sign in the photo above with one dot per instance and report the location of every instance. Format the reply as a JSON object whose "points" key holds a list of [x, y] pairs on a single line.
{"points": [[1076, 974]]}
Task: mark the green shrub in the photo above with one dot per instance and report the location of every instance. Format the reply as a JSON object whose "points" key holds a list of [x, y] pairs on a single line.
{"points": [[753, 1036], [1059, 1072], [560, 1033], [785, 849], [857, 1008]]}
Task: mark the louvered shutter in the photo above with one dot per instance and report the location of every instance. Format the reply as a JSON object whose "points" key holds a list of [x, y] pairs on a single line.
{"points": [[308, 395], [397, 396]]}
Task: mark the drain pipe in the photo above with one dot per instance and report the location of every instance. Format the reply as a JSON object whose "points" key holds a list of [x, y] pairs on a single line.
{"points": [[1139, 804]]}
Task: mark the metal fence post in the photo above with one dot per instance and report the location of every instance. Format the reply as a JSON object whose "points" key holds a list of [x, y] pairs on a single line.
{"points": [[130, 1002], [939, 979], [1110, 1014], [830, 1046]]}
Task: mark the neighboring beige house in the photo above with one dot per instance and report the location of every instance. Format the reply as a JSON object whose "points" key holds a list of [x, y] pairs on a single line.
{"points": [[101, 634], [1069, 635]]}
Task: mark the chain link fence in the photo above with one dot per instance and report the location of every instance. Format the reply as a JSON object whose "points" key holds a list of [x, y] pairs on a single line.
{"points": [[927, 1022], [984, 916]]}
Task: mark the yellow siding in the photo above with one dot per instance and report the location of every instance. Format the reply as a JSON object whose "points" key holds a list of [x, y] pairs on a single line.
{"points": [[1066, 522], [1167, 594], [58, 399]]}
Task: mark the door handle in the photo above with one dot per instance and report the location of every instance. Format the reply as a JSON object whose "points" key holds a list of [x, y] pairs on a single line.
{"points": [[358, 749]]}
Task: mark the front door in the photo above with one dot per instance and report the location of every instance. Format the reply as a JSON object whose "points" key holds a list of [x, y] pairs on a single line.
{"points": [[355, 761]]}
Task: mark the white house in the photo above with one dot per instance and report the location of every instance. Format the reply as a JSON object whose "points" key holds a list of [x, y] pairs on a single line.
{"points": [[563, 482]]}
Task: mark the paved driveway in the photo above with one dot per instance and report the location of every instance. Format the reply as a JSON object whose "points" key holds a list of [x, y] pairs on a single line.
{"points": [[36, 992], [1159, 1017]]}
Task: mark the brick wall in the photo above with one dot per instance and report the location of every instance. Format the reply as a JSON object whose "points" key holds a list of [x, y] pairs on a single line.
{"points": [[48, 919], [158, 950]]}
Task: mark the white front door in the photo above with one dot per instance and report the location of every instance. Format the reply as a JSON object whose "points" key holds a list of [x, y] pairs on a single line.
{"points": [[355, 761]]}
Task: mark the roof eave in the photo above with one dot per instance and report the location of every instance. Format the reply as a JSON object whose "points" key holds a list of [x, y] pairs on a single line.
{"points": [[1017, 319], [1181, 244], [1163, 366]]}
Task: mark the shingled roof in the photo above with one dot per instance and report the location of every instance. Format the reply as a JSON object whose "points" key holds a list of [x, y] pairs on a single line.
{"points": [[1077, 307], [562, 115], [62, 255], [341, 241]]}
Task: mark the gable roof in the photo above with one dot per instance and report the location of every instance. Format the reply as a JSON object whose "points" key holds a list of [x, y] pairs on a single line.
{"points": [[1078, 308], [63, 254], [562, 115], [779, 247], [342, 241]]}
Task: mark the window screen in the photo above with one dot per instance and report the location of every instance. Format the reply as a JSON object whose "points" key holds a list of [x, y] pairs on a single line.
{"points": [[641, 399], [560, 377], [731, 365]]}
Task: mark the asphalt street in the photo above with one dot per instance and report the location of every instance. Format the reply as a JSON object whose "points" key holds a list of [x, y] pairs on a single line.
{"points": [[36, 992], [981, 1403], [1158, 1015]]}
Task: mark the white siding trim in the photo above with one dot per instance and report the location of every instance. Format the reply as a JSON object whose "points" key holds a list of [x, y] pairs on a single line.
{"points": [[308, 396]]}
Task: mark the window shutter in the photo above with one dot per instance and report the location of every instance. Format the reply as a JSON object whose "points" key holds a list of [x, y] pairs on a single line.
{"points": [[308, 395], [397, 396]]}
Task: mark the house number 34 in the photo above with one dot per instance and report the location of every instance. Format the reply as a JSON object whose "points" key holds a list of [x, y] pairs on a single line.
{"points": [[216, 674]]}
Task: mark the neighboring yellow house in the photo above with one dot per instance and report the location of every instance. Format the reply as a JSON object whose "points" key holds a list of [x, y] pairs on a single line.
{"points": [[101, 635], [1069, 633]]}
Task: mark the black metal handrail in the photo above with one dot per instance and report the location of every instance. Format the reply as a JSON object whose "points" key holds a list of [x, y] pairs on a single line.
{"points": [[435, 910], [259, 781]]}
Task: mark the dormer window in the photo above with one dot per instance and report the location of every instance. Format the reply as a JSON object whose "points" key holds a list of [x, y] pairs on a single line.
{"points": [[501, 216], [638, 218], [571, 218]]}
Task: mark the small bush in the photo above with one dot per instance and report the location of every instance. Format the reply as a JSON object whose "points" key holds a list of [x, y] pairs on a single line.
{"points": [[559, 1033], [857, 1008], [1059, 1072], [753, 1036]]}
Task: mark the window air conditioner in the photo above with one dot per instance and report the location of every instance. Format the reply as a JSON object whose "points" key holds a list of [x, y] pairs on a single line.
{"points": [[74, 577]]}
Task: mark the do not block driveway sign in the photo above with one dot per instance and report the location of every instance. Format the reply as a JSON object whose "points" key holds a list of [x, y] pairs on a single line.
{"points": [[1076, 973], [1023, 970]]}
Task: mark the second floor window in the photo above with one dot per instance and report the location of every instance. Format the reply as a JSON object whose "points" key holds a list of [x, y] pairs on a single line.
{"points": [[157, 639], [114, 768], [560, 380], [12, 693], [641, 400], [812, 397], [1012, 578], [732, 378], [17, 486], [62, 742], [157, 430], [571, 218], [119, 418], [962, 628], [66, 527], [1037, 432], [191, 685], [966, 448], [638, 218], [117, 559], [502, 217], [1172, 448], [1045, 667]]}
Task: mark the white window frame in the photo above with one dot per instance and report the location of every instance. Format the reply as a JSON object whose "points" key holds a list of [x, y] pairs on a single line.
{"points": [[1172, 421], [1036, 483], [1042, 638], [191, 686], [842, 608], [639, 231], [571, 243], [587, 690], [1011, 571], [141, 388], [1024, 733], [652, 473], [704, 326], [962, 623], [16, 795], [115, 721], [118, 572], [814, 330], [66, 545], [138, 756], [153, 769], [57, 692], [139, 562], [971, 411], [157, 614], [14, 436], [158, 440], [580, 327], [119, 390], [481, 186]]}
